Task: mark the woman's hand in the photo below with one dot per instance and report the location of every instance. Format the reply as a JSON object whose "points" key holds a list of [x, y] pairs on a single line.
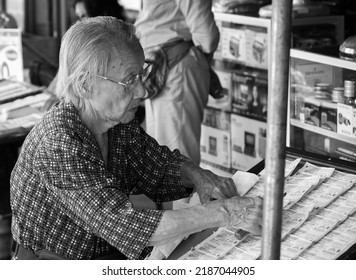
{"points": [[210, 186], [245, 213]]}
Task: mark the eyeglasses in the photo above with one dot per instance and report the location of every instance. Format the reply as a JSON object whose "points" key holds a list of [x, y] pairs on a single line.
{"points": [[133, 80]]}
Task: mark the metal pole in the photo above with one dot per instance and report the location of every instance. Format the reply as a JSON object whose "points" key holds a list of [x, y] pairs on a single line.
{"points": [[276, 127], [2, 6]]}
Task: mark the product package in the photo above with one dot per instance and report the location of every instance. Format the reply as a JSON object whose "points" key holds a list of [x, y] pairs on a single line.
{"points": [[249, 94], [344, 119], [248, 142], [256, 47], [215, 143], [233, 40]]}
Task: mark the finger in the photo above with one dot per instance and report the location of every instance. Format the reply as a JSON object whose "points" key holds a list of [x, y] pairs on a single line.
{"points": [[217, 196], [252, 224], [255, 229], [205, 198], [246, 201], [258, 201], [230, 188]]}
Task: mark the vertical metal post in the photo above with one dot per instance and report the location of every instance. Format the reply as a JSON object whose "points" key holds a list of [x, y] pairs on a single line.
{"points": [[30, 15], [2, 5], [276, 127]]}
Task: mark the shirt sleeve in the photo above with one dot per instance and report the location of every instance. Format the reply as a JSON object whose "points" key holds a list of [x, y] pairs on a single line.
{"points": [[156, 166], [200, 20], [91, 196]]}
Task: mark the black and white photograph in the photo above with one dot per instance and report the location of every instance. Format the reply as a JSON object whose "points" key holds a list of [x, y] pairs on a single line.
{"points": [[130, 131]]}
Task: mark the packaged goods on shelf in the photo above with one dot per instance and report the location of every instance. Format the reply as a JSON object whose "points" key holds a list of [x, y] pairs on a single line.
{"points": [[248, 142], [249, 94], [233, 42], [245, 44], [215, 144], [344, 119], [312, 110], [256, 47], [328, 115], [314, 73]]}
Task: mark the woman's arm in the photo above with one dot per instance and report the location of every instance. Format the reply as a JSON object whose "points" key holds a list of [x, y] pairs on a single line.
{"points": [[245, 212]]}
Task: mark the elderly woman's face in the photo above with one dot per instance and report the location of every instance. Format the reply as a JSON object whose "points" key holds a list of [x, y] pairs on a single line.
{"points": [[116, 103]]}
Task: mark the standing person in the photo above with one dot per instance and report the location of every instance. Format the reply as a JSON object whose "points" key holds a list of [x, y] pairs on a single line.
{"points": [[188, 35], [71, 184], [94, 8]]}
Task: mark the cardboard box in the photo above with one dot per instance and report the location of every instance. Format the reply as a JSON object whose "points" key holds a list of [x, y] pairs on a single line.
{"points": [[249, 94], [215, 143], [344, 119], [328, 115], [312, 110], [314, 73], [248, 142], [234, 43], [257, 47]]}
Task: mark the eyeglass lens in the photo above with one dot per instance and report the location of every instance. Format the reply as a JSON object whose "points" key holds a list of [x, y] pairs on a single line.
{"points": [[143, 76]]}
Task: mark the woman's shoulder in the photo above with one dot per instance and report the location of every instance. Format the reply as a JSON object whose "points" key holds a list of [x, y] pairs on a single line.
{"points": [[61, 121]]}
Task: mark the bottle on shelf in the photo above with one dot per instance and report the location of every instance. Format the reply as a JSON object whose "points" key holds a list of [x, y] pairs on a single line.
{"points": [[349, 92], [337, 95], [322, 91]]}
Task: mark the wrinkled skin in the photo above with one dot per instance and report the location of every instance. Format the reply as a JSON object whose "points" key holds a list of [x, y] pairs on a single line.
{"points": [[210, 186], [244, 212]]}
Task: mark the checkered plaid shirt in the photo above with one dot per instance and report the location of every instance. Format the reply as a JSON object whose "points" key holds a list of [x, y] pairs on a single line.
{"points": [[64, 199]]}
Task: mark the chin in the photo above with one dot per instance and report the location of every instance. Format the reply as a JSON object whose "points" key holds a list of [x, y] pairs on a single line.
{"points": [[127, 118]]}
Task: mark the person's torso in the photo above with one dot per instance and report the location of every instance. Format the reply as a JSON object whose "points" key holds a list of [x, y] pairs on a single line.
{"points": [[39, 215], [162, 21]]}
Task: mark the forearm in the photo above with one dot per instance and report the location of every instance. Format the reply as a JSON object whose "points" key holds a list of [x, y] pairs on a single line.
{"points": [[182, 222]]}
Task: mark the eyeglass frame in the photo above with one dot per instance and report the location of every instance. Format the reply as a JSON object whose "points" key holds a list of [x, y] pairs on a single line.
{"points": [[126, 85]]}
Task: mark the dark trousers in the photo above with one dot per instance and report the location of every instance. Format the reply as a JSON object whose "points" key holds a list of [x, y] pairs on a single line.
{"points": [[21, 253]]}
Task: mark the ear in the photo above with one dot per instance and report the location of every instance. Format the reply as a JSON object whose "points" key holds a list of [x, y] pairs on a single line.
{"points": [[83, 82]]}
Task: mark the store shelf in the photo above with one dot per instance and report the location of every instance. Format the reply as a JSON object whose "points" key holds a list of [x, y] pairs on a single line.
{"points": [[245, 20], [321, 131], [323, 59]]}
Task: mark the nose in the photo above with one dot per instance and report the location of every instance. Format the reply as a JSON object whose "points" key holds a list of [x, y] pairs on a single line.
{"points": [[140, 91]]}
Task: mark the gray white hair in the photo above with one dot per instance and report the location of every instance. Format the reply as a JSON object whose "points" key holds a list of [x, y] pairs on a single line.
{"points": [[85, 52]]}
